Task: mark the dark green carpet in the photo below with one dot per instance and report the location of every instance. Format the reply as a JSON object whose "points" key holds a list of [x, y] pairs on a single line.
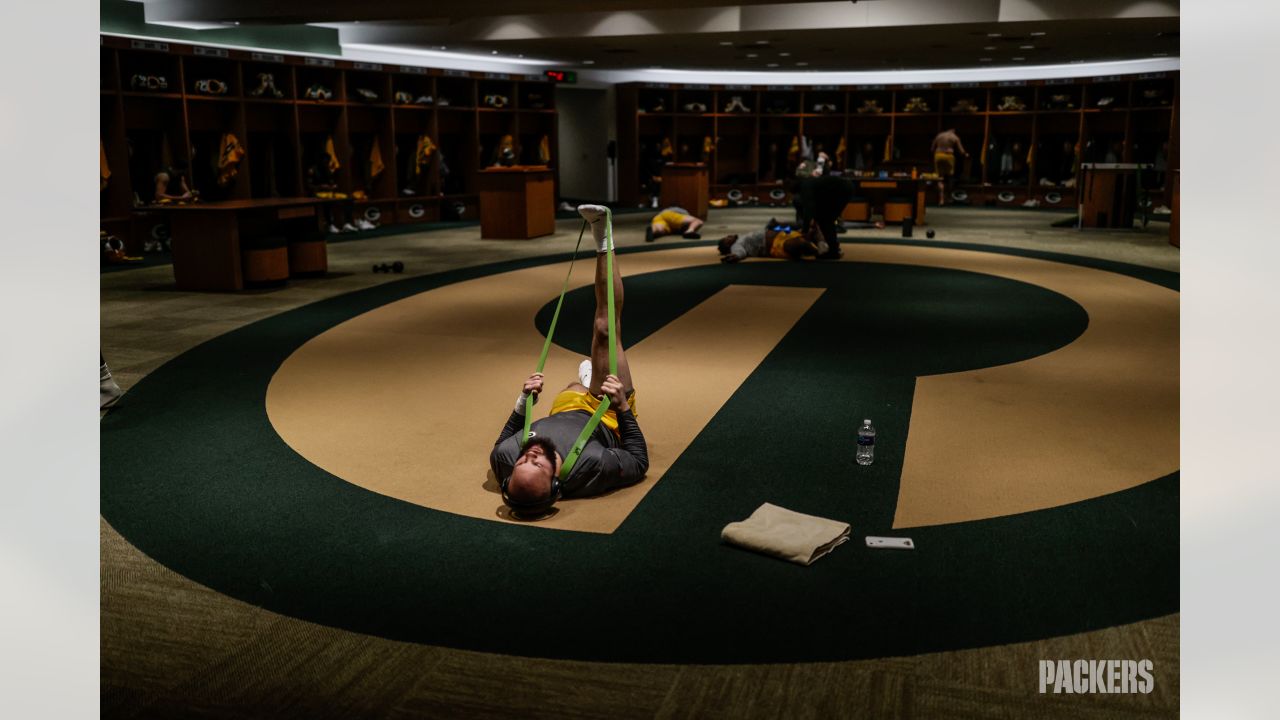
{"points": [[193, 475]]}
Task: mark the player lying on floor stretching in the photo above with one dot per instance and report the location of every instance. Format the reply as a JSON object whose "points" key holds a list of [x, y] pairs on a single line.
{"points": [[776, 241], [673, 221], [615, 455]]}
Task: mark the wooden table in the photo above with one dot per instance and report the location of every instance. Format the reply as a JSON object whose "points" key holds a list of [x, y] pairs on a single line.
{"points": [[206, 236], [877, 190], [685, 185], [517, 203]]}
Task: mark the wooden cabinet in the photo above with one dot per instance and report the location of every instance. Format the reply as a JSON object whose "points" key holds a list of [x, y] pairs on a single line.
{"points": [[1026, 139], [685, 185], [406, 142], [517, 203]]}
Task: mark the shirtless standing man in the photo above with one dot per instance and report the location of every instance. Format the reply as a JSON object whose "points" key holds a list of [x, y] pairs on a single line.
{"points": [[945, 146]]}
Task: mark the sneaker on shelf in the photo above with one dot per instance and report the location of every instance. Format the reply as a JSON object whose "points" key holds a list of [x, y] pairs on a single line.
{"points": [[1031, 203], [333, 229], [566, 207], [348, 228], [1162, 210], [364, 224], [425, 100], [407, 191]]}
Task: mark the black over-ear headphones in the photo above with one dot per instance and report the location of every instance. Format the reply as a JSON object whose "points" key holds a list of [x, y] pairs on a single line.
{"points": [[532, 509]]}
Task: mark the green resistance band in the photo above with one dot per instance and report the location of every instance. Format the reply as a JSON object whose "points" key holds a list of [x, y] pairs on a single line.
{"points": [[572, 457]]}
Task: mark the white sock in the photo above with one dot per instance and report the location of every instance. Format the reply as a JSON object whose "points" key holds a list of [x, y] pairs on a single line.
{"points": [[595, 215], [584, 372]]}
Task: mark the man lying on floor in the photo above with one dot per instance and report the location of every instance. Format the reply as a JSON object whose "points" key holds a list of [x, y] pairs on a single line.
{"points": [[673, 221], [615, 455], [775, 241]]}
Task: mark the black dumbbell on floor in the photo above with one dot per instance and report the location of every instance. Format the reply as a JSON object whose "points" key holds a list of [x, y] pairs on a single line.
{"points": [[395, 267]]}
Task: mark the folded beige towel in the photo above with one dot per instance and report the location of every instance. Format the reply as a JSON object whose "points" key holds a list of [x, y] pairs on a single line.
{"points": [[786, 534]]}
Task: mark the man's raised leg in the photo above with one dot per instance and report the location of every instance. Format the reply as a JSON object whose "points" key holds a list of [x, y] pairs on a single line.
{"points": [[595, 215]]}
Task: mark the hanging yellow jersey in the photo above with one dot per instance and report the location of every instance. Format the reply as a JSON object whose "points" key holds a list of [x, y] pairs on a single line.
{"points": [[544, 150], [422, 153], [793, 152], [888, 148], [842, 149], [104, 170], [230, 153], [376, 165], [332, 154], [668, 152]]}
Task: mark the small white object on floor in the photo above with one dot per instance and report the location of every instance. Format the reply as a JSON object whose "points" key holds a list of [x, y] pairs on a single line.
{"points": [[890, 543]]}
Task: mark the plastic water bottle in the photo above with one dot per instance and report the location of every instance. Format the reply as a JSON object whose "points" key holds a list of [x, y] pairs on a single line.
{"points": [[866, 443]]}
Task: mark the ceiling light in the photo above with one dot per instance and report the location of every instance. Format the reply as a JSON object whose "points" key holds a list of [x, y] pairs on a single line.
{"points": [[993, 34], [801, 64], [762, 42], [784, 54], [1037, 34], [495, 52], [588, 62], [989, 47], [726, 42], [1019, 59], [402, 50], [773, 64], [1026, 47], [752, 55]]}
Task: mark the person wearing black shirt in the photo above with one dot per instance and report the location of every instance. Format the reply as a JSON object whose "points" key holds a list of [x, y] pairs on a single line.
{"points": [[615, 455]]}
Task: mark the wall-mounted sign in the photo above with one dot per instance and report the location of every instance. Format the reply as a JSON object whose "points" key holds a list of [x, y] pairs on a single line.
{"points": [[319, 62], [410, 69], [210, 52], [568, 77], [267, 57], [366, 66], [496, 76]]}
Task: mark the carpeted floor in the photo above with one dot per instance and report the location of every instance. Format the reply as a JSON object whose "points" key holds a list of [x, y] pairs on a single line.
{"points": [[172, 647]]}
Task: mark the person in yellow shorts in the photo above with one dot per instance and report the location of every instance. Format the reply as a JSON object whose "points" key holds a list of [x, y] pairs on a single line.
{"points": [[775, 241], [615, 454], [945, 146], [673, 221]]}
